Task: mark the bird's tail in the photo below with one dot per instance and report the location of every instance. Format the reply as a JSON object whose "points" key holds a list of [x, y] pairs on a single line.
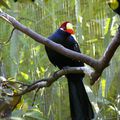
{"points": [[81, 108]]}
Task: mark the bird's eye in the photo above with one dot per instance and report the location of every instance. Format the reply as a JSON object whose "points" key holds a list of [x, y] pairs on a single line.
{"points": [[64, 28]]}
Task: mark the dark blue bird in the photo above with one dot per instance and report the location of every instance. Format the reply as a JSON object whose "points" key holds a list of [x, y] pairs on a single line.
{"points": [[80, 106]]}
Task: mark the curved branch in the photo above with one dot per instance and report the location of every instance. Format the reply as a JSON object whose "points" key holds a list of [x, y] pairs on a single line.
{"points": [[98, 65], [111, 49], [46, 82], [107, 56], [57, 47]]}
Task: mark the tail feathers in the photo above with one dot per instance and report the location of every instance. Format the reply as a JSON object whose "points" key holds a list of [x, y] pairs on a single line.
{"points": [[81, 108]]}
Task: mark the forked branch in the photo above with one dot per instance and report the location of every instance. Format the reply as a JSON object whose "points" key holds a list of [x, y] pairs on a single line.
{"points": [[97, 65]]}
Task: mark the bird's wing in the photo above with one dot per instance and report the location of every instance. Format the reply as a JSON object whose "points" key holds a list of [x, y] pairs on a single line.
{"points": [[73, 43]]}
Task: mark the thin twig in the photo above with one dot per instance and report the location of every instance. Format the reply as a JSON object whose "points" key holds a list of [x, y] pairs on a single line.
{"points": [[35, 96]]}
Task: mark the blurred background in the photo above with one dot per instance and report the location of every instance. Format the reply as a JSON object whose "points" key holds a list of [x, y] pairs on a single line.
{"points": [[25, 60]]}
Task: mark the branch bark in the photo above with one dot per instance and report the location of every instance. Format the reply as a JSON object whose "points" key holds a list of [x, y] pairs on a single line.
{"points": [[46, 82], [98, 65]]}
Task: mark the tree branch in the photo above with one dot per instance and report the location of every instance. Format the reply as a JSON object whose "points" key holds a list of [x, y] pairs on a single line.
{"points": [[46, 82], [98, 65], [57, 47]]}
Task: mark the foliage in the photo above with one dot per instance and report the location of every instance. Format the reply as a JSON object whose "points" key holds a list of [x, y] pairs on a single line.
{"points": [[26, 60]]}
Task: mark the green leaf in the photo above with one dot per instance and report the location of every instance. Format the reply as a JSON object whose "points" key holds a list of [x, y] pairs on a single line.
{"points": [[34, 115], [25, 76]]}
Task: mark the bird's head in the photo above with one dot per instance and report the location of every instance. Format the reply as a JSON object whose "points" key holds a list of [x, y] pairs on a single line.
{"points": [[67, 27], [114, 4]]}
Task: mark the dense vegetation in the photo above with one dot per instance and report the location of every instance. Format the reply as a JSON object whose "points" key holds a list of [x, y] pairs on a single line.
{"points": [[26, 60]]}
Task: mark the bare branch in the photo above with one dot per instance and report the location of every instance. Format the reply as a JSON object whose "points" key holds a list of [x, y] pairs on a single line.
{"points": [[6, 42], [106, 58], [46, 82], [110, 50], [97, 65], [57, 47]]}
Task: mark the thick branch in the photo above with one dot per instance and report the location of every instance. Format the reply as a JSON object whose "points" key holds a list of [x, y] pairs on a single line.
{"points": [[98, 65], [57, 47], [105, 60]]}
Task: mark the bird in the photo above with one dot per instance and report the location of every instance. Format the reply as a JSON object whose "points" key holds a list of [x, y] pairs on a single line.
{"points": [[80, 106], [114, 5]]}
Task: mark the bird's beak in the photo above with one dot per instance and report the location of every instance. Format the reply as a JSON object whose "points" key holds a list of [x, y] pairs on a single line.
{"points": [[69, 28]]}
